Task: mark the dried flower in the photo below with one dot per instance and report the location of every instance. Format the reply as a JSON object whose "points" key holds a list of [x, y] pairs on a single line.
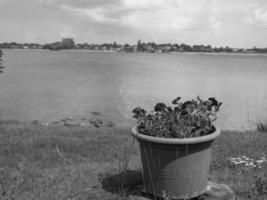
{"points": [[160, 107], [191, 118], [249, 162]]}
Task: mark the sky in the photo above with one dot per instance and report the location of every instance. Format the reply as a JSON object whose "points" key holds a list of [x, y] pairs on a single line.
{"points": [[234, 23]]}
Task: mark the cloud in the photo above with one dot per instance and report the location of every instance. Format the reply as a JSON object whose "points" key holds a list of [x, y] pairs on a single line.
{"points": [[165, 15], [66, 31], [45, 1], [146, 5], [258, 17], [82, 3], [192, 21], [137, 13], [252, 12], [96, 14], [147, 19]]}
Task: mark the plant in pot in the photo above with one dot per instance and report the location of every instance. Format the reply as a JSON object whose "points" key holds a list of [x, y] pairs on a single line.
{"points": [[175, 145]]}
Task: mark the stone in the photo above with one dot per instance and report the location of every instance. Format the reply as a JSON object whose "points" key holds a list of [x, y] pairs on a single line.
{"points": [[96, 122], [215, 191], [134, 197]]}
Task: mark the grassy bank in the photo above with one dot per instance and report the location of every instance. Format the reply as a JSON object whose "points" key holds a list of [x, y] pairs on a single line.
{"points": [[57, 162]]}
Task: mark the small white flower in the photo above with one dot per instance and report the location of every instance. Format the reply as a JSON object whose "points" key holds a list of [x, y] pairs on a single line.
{"points": [[260, 161]]}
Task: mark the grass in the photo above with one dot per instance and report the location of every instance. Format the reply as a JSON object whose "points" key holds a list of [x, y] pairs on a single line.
{"points": [[247, 182], [57, 162]]}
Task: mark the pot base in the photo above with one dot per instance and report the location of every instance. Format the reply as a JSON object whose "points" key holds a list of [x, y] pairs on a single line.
{"points": [[213, 191]]}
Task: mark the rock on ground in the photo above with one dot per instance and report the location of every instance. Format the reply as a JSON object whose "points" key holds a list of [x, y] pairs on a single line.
{"points": [[215, 191]]}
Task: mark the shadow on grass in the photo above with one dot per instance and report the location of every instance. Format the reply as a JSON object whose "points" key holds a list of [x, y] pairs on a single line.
{"points": [[129, 182]]}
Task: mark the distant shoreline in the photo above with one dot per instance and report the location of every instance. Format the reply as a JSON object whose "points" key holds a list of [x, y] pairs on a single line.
{"points": [[138, 52], [148, 47]]}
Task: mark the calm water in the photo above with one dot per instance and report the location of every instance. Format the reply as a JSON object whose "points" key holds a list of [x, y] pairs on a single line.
{"points": [[50, 85]]}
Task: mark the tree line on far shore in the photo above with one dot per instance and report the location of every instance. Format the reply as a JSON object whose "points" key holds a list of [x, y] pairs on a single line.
{"points": [[1, 62], [150, 47]]}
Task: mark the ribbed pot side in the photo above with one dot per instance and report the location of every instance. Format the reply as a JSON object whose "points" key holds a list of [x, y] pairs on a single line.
{"points": [[177, 168]]}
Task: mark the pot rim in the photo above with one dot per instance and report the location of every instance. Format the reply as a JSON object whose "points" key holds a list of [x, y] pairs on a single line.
{"points": [[201, 139]]}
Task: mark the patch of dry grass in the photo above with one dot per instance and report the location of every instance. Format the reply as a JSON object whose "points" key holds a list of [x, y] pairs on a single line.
{"points": [[39, 162], [56, 162], [248, 182]]}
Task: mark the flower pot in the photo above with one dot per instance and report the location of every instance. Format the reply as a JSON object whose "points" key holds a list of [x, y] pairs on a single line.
{"points": [[173, 167]]}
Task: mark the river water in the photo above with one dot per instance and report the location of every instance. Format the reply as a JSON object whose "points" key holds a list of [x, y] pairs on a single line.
{"points": [[50, 85]]}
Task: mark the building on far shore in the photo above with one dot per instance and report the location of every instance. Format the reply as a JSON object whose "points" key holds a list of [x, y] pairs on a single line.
{"points": [[68, 43]]}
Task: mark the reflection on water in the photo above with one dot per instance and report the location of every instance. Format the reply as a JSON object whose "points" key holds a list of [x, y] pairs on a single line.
{"points": [[49, 85]]}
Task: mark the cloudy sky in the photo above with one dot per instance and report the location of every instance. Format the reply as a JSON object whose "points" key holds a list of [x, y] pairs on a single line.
{"points": [[236, 23]]}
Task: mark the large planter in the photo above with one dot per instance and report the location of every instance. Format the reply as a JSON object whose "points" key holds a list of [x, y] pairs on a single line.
{"points": [[173, 167]]}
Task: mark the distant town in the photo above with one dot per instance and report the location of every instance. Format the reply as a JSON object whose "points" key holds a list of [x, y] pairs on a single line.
{"points": [[150, 47]]}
